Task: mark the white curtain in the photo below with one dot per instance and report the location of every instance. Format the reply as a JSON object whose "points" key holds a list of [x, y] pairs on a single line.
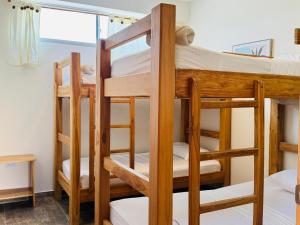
{"points": [[116, 24], [24, 33]]}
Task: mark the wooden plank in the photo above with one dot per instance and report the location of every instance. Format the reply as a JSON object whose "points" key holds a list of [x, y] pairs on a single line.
{"points": [[58, 129], [298, 167], [17, 158], [276, 136], [228, 104], [286, 147], [120, 126], [225, 204], [63, 139], [135, 85], [228, 153], [194, 159], [75, 140], [132, 133], [276, 86], [184, 120], [120, 101], [130, 33], [63, 91], [259, 158], [132, 178], [102, 150], [106, 222], [121, 150], [162, 114], [92, 140], [210, 133], [64, 182], [10, 194], [225, 141], [32, 180]]}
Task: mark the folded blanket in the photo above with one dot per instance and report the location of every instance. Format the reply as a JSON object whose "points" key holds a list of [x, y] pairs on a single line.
{"points": [[184, 35], [87, 69]]}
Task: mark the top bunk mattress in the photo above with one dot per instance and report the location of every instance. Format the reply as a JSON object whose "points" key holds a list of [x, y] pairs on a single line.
{"points": [[190, 57]]}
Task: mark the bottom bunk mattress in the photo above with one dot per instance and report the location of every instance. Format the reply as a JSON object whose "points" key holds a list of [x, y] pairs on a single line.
{"points": [[279, 205], [180, 164]]}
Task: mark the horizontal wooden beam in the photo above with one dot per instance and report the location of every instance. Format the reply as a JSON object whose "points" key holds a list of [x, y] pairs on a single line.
{"points": [[63, 138], [120, 126], [17, 158], [124, 150], [129, 176], [228, 154], [286, 147], [121, 101], [130, 33], [63, 91], [228, 104], [10, 194], [225, 204], [210, 133]]}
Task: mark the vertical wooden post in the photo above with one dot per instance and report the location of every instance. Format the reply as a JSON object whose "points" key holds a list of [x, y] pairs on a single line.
{"points": [[298, 178], [102, 176], [225, 141], [32, 180], [91, 139], [184, 120], [132, 132], [75, 142], [276, 136], [162, 114], [194, 155], [259, 158], [58, 129]]}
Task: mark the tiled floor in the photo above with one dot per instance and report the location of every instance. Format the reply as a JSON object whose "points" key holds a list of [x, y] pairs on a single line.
{"points": [[47, 212]]}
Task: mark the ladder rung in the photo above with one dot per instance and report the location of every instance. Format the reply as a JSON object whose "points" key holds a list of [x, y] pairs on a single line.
{"points": [[120, 126], [228, 154], [120, 150], [63, 139], [120, 101], [225, 204], [228, 104]]}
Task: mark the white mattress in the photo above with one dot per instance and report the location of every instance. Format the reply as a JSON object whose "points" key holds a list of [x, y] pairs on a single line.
{"points": [[279, 207], [190, 57], [180, 166]]}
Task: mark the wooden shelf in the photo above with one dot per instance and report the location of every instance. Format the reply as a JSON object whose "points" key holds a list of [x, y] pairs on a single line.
{"points": [[17, 158], [15, 193]]}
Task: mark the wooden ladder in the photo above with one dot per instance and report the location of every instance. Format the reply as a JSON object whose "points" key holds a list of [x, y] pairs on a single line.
{"points": [[195, 208], [130, 126]]}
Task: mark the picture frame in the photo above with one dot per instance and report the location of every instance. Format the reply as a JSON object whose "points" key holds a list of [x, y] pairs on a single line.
{"points": [[261, 48]]}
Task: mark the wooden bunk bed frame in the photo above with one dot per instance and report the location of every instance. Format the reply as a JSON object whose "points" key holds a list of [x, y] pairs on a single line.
{"points": [[162, 85], [75, 92]]}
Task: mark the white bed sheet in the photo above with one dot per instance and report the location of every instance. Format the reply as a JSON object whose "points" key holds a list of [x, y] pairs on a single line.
{"points": [[180, 166], [190, 57], [279, 207]]}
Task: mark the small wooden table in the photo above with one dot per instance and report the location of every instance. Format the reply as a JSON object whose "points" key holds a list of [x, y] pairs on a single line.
{"points": [[20, 192]]}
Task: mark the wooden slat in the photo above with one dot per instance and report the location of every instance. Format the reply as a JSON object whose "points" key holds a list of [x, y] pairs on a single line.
{"points": [[138, 182], [225, 204], [121, 150], [228, 104], [184, 120], [106, 222], [132, 32], [228, 154], [120, 126], [17, 158], [63, 139], [63, 91], [286, 147], [135, 85], [298, 169], [64, 182], [210, 133], [120, 101], [132, 133], [10, 194], [162, 90], [92, 140]]}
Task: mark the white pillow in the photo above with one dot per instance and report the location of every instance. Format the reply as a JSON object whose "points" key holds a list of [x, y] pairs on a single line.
{"points": [[286, 179], [181, 149]]}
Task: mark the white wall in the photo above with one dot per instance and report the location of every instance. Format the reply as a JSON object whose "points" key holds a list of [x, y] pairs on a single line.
{"points": [[219, 24], [26, 112]]}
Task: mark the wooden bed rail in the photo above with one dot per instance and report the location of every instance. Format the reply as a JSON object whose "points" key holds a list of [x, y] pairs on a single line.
{"points": [[136, 30]]}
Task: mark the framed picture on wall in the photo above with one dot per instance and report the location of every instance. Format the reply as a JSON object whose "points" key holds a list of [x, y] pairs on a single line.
{"points": [[263, 48]]}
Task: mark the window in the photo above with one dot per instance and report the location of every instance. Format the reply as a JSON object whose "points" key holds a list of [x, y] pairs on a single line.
{"points": [[68, 26]]}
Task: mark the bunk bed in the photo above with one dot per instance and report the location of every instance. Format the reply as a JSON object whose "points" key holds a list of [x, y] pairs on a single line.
{"points": [[162, 80], [76, 174]]}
